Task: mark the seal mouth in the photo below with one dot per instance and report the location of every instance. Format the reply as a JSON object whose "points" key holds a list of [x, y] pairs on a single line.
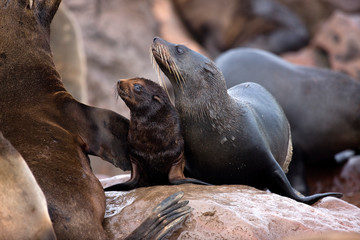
{"points": [[164, 60]]}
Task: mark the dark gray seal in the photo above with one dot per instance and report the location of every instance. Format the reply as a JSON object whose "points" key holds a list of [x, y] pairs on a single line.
{"points": [[322, 106], [52, 131], [239, 136]]}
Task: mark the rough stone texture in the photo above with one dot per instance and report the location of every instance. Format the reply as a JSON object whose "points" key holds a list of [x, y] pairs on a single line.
{"points": [[231, 212], [340, 38], [336, 45]]}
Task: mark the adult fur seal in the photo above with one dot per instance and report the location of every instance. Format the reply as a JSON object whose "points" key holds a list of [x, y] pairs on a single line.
{"points": [[156, 144], [240, 136], [322, 105], [52, 131], [24, 213]]}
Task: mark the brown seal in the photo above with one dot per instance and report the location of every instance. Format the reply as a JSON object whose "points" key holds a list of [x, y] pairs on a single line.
{"points": [[156, 145], [240, 136], [24, 213], [51, 130], [322, 105]]}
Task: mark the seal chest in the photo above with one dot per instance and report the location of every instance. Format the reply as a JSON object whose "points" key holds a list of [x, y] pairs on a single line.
{"points": [[239, 136]]}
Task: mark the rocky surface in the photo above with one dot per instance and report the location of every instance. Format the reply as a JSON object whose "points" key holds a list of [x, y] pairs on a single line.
{"points": [[335, 45], [232, 212]]}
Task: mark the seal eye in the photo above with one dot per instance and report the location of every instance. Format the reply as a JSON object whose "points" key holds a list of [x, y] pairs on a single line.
{"points": [[179, 50], [137, 87]]}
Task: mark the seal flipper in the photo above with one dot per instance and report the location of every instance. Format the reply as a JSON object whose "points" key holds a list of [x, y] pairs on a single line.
{"points": [[132, 183], [103, 132], [280, 184], [163, 219], [176, 174]]}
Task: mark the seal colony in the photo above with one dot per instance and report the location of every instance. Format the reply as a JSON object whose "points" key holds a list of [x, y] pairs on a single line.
{"points": [[156, 145], [321, 105], [54, 133], [239, 136]]}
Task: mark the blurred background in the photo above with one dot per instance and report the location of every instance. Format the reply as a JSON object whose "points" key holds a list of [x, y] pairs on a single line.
{"points": [[96, 42]]}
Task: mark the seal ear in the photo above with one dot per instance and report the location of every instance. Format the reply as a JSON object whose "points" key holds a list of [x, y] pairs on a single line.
{"points": [[210, 68], [46, 10], [158, 99]]}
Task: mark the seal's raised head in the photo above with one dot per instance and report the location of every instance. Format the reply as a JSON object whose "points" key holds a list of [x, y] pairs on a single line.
{"points": [[185, 67], [139, 93], [179, 63]]}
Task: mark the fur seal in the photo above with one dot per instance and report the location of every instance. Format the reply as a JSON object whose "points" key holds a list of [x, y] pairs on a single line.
{"points": [[239, 136], [156, 145], [321, 105], [52, 131], [24, 213]]}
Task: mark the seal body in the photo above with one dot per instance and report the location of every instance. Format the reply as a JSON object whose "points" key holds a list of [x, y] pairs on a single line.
{"points": [[24, 213], [240, 136], [156, 145], [51, 130], [322, 105]]}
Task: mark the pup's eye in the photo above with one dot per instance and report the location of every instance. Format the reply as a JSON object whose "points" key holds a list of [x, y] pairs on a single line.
{"points": [[137, 87], [179, 50]]}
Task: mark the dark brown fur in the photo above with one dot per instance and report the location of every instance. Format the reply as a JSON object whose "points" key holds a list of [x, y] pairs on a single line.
{"points": [[53, 132], [156, 143]]}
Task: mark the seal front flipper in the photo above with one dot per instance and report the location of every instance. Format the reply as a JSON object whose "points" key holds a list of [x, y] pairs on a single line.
{"points": [[132, 183], [176, 174], [280, 184], [163, 219], [103, 132]]}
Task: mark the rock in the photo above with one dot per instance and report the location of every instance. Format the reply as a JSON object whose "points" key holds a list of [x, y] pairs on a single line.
{"points": [[340, 38], [308, 56], [232, 212], [312, 13], [336, 45], [264, 24], [345, 179], [68, 53], [345, 5]]}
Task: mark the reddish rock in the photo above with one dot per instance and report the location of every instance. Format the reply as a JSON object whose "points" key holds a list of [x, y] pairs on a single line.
{"points": [[232, 212], [340, 38], [308, 56]]}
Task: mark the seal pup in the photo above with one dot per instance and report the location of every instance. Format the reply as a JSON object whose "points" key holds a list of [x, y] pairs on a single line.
{"points": [[24, 213], [321, 105], [52, 131], [156, 145], [239, 136]]}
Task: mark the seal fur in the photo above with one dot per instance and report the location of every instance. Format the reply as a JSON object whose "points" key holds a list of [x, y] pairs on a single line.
{"points": [[239, 136], [156, 145]]}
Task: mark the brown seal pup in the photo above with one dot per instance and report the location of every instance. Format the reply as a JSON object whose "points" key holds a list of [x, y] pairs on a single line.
{"points": [[24, 213], [321, 105], [51, 130], [156, 145], [239, 136]]}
